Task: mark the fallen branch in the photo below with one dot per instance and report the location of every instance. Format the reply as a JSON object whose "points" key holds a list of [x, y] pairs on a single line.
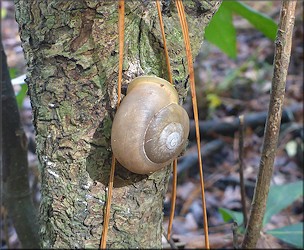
{"points": [[190, 159], [229, 125]]}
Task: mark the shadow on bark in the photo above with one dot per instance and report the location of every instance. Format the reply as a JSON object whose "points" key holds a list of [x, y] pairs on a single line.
{"points": [[99, 171]]}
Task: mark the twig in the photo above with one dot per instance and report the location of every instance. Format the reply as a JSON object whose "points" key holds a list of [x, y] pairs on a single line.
{"points": [[281, 62], [170, 241], [234, 228], [241, 166]]}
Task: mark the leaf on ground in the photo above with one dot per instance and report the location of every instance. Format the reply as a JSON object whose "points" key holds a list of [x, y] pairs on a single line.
{"points": [[292, 234], [229, 215], [280, 197], [214, 100], [21, 95]]}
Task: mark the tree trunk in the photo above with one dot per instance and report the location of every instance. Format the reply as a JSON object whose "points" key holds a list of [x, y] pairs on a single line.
{"points": [[14, 173], [71, 48]]}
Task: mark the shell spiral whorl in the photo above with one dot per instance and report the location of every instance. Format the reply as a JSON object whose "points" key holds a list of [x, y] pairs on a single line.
{"points": [[149, 129]]}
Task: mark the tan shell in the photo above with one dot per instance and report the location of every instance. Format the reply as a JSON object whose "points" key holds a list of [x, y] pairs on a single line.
{"points": [[149, 129]]}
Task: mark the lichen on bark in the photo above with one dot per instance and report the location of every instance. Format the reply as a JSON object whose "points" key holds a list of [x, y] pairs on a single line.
{"points": [[71, 48]]}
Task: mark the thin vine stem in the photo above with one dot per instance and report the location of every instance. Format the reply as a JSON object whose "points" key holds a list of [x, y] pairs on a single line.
{"points": [[173, 198], [174, 172], [184, 25], [121, 24], [241, 169], [161, 23]]}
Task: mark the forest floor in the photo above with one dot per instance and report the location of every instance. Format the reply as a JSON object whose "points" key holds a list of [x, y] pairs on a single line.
{"points": [[226, 89]]}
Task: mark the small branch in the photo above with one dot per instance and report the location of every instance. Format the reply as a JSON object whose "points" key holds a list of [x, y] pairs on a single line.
{"points": [[281, 62], [16, 190], [170, 241], [241, 166], [234, 228]]}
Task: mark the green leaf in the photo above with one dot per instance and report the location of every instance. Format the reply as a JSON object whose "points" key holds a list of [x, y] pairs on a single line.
{"points": [[292, 234], [3, 13], [260, 21], [229, 215], [280, 197], [214, 100], [12, 72], [21, 95], [221, 31]]}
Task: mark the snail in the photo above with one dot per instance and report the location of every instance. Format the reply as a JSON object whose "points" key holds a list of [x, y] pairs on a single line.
{"points": [[150, 128]]}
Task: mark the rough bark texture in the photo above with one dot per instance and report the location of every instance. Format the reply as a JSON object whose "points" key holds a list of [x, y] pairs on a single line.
{"points": [[14, 174], [71, 48]]}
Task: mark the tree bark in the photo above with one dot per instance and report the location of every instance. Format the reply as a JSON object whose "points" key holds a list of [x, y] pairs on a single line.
{"points": [[71, 48]]}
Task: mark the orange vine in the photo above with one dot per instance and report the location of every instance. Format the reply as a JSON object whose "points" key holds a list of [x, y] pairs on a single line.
{"points": [[174, 181], [184, 25], [121, 18]]}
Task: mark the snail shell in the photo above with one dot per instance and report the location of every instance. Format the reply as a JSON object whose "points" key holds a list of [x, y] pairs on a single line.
{"points": [[149, 129]]}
